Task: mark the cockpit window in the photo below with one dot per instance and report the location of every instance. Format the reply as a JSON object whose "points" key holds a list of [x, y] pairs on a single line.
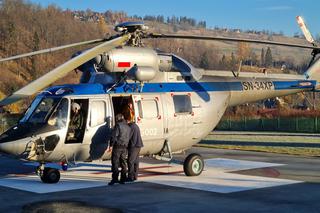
{"points": [[31, 108], [60, 115], [43, 110]]}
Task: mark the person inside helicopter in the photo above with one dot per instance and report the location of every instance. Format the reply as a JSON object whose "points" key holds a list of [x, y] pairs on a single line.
{"points": [[76, 124], [128, 112]]}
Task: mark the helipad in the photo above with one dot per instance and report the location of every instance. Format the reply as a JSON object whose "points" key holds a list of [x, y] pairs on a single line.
{"points": [[218, 177]]}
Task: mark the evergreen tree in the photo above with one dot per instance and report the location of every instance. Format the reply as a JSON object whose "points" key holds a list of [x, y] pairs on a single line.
{"points": [[253, 59], [204, 60], [268, 58], [262, 59], [223, 63], [233, 62]]}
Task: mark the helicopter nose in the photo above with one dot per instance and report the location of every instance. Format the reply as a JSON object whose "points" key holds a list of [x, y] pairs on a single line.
{"points": [[5, 148], [15, 148]]}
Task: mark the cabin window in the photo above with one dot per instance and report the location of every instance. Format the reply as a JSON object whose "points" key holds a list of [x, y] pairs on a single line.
{"points": [[97, 113], [182, 104], [148, 109]]}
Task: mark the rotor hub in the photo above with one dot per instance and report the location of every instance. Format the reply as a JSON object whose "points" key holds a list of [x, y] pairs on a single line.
{"points": [[137, 30]]}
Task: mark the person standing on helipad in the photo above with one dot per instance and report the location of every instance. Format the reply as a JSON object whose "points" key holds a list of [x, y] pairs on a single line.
{"points": [[119, 145], [135, 144]]}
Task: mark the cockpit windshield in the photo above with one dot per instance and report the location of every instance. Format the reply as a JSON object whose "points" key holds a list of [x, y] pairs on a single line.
{"points": [[40, 110], [60, 115], [31, 108]]}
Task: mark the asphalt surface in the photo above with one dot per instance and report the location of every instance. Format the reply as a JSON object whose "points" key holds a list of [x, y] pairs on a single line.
{"points": [[151, 197]]}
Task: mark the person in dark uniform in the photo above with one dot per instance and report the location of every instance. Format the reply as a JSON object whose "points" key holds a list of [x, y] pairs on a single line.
{"points": [[135, 144], [119, 145]]}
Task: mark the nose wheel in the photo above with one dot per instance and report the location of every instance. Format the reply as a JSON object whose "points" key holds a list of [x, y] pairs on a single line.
{"points": [[48, 175]]}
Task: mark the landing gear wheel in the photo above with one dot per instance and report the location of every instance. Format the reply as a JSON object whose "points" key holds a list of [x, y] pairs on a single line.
{"points": [[50, 175], [193, 165]]}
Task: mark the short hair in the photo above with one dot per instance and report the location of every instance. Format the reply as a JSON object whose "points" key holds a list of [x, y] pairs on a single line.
{"points": [[119, 117]]}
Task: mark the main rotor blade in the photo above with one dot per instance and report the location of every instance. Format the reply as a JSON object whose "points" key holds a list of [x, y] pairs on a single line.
{"points": [[53, 49], [63, 70], [217, 38]]}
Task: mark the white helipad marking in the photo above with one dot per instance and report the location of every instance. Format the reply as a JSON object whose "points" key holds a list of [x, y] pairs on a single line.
{"points": [[215, 178], [229, 165], [33, 184]]}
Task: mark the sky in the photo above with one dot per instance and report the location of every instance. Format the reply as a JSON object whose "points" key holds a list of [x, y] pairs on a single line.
{"points": [[272, 15]]}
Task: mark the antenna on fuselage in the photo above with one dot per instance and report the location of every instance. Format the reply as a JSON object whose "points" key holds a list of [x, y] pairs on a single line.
{"points": [[236, 75]]}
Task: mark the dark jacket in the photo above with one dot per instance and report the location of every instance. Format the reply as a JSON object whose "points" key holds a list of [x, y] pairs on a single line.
{"points": [[77, 121], [121, 134], [135, 139]]}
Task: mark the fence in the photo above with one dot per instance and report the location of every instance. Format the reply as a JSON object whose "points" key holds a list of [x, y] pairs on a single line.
{"points": [[298, 124]]}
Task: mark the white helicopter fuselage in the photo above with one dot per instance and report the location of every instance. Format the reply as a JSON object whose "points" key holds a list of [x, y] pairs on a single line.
{"points": [[177, 112]]}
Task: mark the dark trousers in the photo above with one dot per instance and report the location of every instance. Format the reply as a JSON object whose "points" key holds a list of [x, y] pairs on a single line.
{"points": [[133, 163], [118, 159]]}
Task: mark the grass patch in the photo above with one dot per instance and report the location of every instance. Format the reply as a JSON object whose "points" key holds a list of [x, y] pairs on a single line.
{"points": [[244, 143], [310, 152], [264, 138]]}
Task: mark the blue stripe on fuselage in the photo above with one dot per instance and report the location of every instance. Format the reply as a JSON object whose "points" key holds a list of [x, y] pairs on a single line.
{"points": [[87, 89], [285, 85], [207, 86], [181, 87]]}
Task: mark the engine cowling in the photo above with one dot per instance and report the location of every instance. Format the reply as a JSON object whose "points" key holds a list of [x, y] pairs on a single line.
{"points": [[124, 58], [142, 63], [138, 73]]}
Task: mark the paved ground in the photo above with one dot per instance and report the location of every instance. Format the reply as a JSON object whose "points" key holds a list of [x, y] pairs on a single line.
{"points": [[234, 181]]}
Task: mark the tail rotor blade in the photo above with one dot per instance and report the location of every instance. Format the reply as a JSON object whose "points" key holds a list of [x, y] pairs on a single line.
{"points": [[305, 30], [63, 70]]}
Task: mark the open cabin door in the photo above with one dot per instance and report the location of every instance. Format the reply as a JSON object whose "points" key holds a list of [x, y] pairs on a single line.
{"points": [[98, 128], [77, 121]]}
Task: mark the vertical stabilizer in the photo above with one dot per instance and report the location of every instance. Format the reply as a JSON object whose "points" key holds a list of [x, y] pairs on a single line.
{"points": [[313, 73]]}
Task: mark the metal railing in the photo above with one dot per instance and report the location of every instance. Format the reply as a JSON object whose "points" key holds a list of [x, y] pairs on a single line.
{"points": [[279, 124]]}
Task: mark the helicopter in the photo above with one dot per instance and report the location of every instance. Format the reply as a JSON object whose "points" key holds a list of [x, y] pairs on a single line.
{"points": [[175, 104]]}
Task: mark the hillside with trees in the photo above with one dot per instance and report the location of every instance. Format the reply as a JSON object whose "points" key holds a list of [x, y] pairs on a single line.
{"points": [[26, 27]]}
